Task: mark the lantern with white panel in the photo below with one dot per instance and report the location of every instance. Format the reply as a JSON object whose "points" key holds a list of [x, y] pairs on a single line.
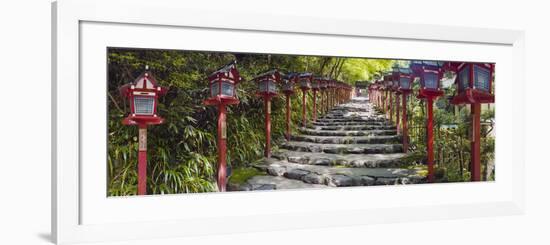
{"points": [[223, 84], [143, 96]]}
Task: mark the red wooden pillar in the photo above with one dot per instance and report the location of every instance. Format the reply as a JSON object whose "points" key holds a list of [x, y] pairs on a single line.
{"points": [[287, 116], [383, 98], [397, 100], [304, 93], [391, 106], [475, 142], [329, 99], [267, 111], [430, 139], [404, 125], [222, 148], [322, 109], [314, 104], [142, 160]]}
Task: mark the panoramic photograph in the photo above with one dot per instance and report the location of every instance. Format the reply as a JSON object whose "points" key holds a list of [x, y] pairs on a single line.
{"points": [[182, 121]]}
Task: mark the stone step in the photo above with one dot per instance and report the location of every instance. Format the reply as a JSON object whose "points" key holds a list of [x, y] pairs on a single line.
{"points": [[308, 131], [343, 148], [330, 124], [350, 119], [338, 176], [381, 139], [353, 127], [269, 182], [393, 160]]}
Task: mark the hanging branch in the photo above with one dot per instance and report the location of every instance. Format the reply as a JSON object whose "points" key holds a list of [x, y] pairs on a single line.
{"points": [[339, 70], [323, 65], [333, 67], [115, 103]]}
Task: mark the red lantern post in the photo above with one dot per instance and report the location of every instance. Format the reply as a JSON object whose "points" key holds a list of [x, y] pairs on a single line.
{"points": [[143, 96], [222, 93], [315, 86], [305, 85], [405, 80], [323, 87], [430, 74], [388, 82], [381, 99], [288, 90], [267, 88], [330, 91], [475, 82]]}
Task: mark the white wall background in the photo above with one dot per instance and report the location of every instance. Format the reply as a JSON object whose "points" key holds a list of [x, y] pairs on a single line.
{"points": [[25, 123]]}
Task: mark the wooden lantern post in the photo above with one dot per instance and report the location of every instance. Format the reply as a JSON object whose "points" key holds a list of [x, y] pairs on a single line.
{"points": [[323, 88], [475, 84], [388, 83], [315, 87], [430, 74], [395, 88], [288, 89], [381, 99], [267, 88], [305, 85], [223, 93], [404, 79], [143, 96]]}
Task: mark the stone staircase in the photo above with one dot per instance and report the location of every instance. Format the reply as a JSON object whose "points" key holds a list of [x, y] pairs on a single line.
{"points": [[352, 145]]}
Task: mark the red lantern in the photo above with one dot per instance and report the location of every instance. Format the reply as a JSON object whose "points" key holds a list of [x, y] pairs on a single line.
{"points": [[474, 86], [474, 81], [267, 88], [222, 92], [430, 74], [222, 85], [143, 96]]}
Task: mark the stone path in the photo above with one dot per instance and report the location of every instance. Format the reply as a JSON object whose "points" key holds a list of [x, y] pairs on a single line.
{"points": [[353, 145]]}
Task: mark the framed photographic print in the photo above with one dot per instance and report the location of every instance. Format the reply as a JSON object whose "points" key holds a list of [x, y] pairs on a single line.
{"points": [[166, 124]]}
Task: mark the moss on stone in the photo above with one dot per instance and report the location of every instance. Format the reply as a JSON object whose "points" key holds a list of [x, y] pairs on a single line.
{"points": [[241, 175]]}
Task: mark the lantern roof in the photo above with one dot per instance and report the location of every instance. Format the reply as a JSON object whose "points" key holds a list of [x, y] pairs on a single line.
{"points": [[145, 81], [307, 75], [228, 71], [272, 74], [290, 75], [418, 66]]}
